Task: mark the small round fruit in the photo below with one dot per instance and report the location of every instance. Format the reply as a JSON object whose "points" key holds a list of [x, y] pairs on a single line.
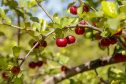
{"points": [[101, 47], [64, 68], [85, 9], [39, 63], [37, 47], [88, 35], [98, 36], [118, 57], [15, 70], [32, 65], [105, 42], [73, 10], [125, 37], [79, 30], [83, 22], [44, 44], [5, 75], [61, 42], [70, 39], [95, 23], [112, 40], [119, 33]]}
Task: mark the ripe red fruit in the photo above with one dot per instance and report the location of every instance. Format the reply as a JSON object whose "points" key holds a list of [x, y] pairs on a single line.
{"points": [[85, 9], [119, 33], [32, 65], [95, 23], [64, 68], [5, 75], [105, 42], [118, 57], [73, 10], [61, 42], [44, 44], [124, 58], [39, 63], [79, 30], [125, 37], [83, 22], [112, 40], [71, 67], [70, 39], [37, 47], [98, 36], [15, 70]]}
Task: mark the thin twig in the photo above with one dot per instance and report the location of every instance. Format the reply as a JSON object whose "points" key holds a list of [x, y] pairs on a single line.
{"points": [[114, 49], [108, 50]]}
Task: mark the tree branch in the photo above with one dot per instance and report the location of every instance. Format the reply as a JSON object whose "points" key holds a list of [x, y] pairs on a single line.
{"points": [[103, 61]]}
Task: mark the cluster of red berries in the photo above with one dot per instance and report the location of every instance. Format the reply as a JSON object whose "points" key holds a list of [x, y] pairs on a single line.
{"points": [[62, 42], [34, 64], [43, 44], [119, 57], [73, 9], [5, 75], [64, 68]]}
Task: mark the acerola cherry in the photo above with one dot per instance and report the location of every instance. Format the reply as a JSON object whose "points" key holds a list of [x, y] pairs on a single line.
{"points": [[85, 9], [73, 10], [112, 40], [15, 70], [125, 37], [39, 63], [79, 30], [98, 36], [61, 42], [70, 39], [105, 42], [118, 57], [83, 22], [95, 23], [37, 47], [44, 44], [119, 33], [32, 65], [124, 58], [5, 75], [64, 68]]}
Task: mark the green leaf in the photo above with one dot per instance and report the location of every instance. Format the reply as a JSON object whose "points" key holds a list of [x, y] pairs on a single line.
{"points": [[80, 10], [123, 9], [58, 31], [16, 51], [2, 13], [17, 81], [32, 33], [23, 3], [75, 21], [109, 8], [56, 19], [43, 24], [7, 21], [71, 4], [19, 12], [27, 25], [63, 22], [31, 3], [13, 4], [3, 63], [105, 34], [2, 34], [34, 19]]}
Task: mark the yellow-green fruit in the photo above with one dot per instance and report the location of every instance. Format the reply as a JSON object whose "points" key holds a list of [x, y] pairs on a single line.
{"points": [[88, 35]]}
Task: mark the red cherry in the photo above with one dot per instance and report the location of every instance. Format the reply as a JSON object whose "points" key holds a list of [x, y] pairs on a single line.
{"points": [[61, 42], [71, 67], [105, 42], [98, 36], [15, 70], [39, 63], [118, 57], [64, 68], [119, 33], [70, 39], [125, 37], [85, 9], [5, 75], [95, 23], [124, 58], [37, 47], [32, 65], [83, 22], [79, 30], [73, 10], [112, 40], [44, 44]]}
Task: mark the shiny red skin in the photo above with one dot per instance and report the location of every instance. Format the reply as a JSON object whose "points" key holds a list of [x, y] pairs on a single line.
{"points": [[98, 36], [61, 42], [125, 37], [83, 22], [32, 65], [119, 33], [39, 63], [5, 75], [85, 9], [15, 70], [118, 57], [112, 40], [37, 47], [95, 23], [105, 42], [79, 30], [124, 58], [70, 39], [44, 44], [64, 68], [73, 10]]}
